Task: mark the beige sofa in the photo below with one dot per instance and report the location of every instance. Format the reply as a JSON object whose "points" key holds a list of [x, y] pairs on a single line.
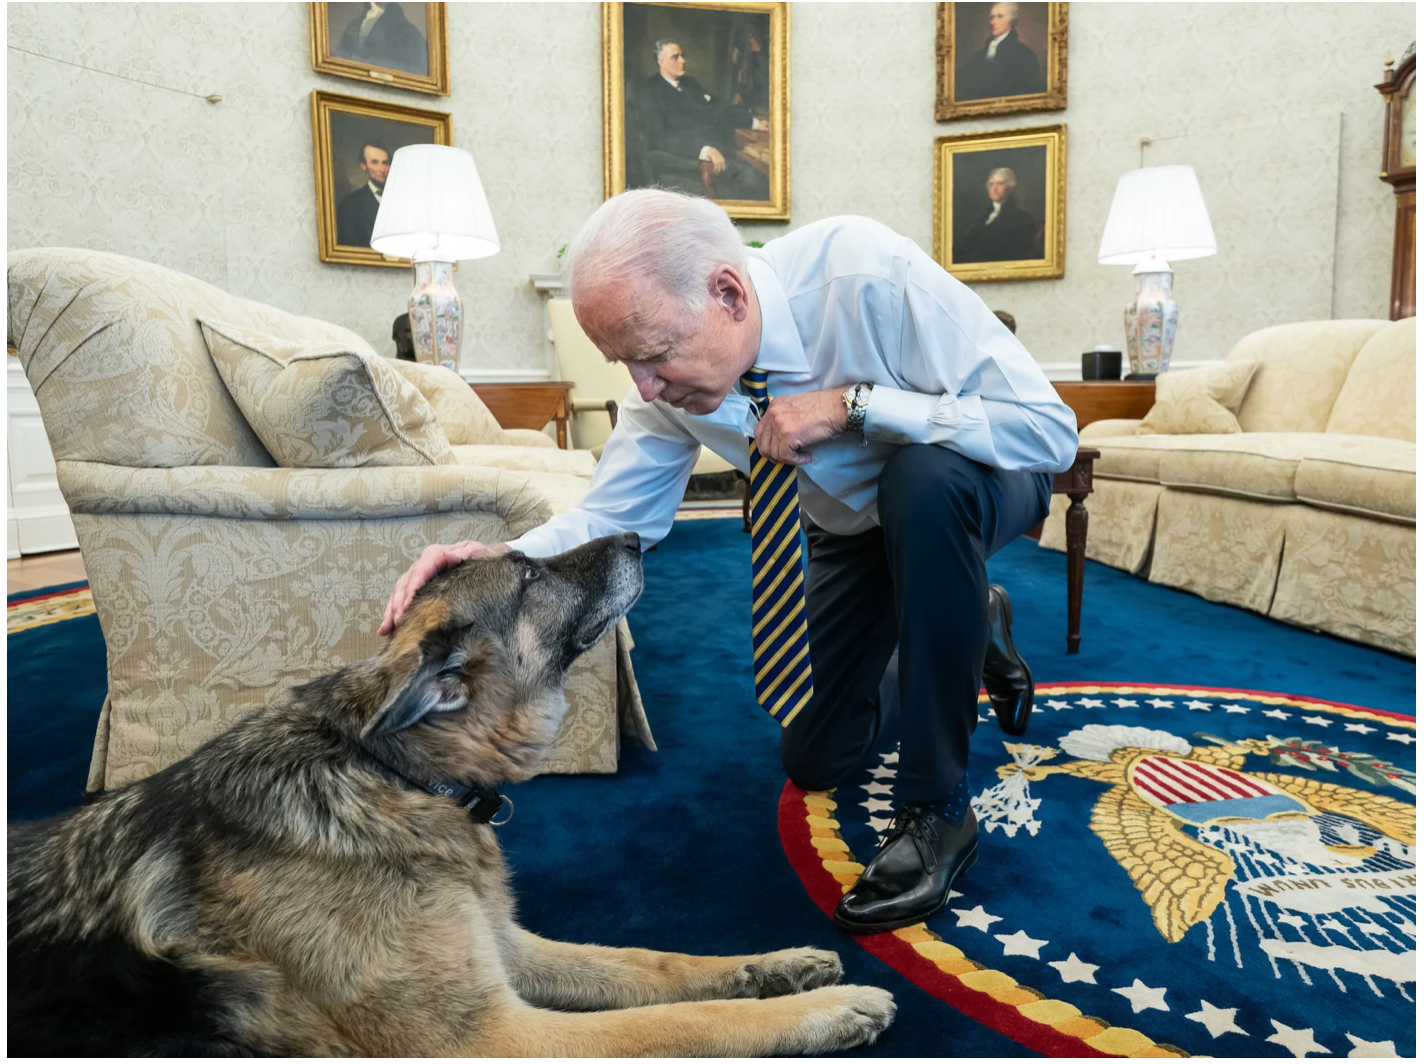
{"points": [[1306, 515], [219, 578]]}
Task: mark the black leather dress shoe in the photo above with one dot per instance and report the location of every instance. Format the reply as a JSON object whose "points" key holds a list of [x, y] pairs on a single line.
{"points": [[910, 878], [1006, 675]]}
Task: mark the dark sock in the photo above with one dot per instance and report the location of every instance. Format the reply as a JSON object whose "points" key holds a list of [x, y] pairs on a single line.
{"points": [[956, 806]]}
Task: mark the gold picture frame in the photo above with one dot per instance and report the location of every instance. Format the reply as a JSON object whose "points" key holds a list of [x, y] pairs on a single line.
{"points": [[746, 62], [343, 128], [955, 74], [402, 52], [1029, 243]]}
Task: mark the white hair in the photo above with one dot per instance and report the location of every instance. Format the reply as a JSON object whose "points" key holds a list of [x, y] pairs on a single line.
{"points": [[653, 234], [1009, 177], [1013, 12], [660, 44]]}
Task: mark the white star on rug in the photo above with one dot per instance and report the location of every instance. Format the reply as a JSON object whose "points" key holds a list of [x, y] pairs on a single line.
{"points": [[1324, 722], [1332, 924], [1058, 703], [890, 758], [1020, 945], [1090, 703], [1278, 714], [877, 805], [1298, 1042], [1217, 1021], [878, 824], [1197, 703], [975, 917], [875, 788], [984, 717], [1363, 729], [1075, 971], [1160, 703], [1369, 1049], [1400, 737], [1123, 703], [880, 772], [1295, 921], [1143, 996], [1234, 708]]}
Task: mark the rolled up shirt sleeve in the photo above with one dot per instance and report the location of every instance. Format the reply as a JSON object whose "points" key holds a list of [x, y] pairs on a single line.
{"points": [[962, 380], [636, 487]]}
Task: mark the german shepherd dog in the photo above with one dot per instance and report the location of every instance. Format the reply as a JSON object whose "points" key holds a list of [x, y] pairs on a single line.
{"points": [[293, 888]]}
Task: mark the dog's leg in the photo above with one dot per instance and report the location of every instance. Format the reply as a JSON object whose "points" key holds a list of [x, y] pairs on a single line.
{"points": [[566, 976], [819, 1021]]}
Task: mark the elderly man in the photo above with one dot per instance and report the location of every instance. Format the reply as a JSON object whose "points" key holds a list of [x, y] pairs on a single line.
{"points": [[885, 403], [1005, 232], [1005, 66]]}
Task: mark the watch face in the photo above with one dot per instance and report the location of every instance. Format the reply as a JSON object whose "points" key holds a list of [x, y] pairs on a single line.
{"points": [[1406, 127]]}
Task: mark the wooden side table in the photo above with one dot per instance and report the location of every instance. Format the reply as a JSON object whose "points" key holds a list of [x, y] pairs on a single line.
{"points": [[1099, 400], [1077, 484], [529, 405]]}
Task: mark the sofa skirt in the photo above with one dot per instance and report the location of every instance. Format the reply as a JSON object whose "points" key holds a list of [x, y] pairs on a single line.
{"points": [[1122, 516], [1222, 548]]}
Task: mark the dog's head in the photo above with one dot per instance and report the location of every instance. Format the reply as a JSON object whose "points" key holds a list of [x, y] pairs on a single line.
{"points": [[476, 671]]}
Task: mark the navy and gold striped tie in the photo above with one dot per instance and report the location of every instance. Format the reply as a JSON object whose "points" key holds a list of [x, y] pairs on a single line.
{"points": [[781, 649]]}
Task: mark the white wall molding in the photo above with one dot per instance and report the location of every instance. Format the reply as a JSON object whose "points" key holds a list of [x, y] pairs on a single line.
{"points": [[503, 375], [1073, 371], [37, 519]]}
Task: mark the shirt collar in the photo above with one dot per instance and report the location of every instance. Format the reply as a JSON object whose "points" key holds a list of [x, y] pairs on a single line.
{"points": [[669, 80], [781, 348]]}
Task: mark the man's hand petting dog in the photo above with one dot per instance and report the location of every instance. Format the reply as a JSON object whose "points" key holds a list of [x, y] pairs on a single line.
{"points": [[433, 560], [794, 423]]}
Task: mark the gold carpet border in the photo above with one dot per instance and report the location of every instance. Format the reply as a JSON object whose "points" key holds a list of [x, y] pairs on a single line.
{"points": [[65, 606], [1202, 692], [1062, 1016]]}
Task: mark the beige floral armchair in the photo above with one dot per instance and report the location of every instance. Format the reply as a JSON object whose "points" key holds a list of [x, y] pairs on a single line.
{"points": [[221, 578]]}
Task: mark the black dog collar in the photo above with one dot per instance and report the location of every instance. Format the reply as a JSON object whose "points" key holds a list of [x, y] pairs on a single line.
{"points": [[482, 802]]}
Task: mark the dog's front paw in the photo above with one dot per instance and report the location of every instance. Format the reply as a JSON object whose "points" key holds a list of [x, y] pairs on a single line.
{"points": [[840, 1017], [790, 971]]}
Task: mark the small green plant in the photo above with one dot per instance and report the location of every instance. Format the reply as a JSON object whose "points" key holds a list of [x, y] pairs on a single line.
{"points": [[560, 253], [756, 244]]}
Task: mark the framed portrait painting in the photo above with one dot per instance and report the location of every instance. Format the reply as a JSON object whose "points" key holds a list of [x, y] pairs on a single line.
{"points": [[998, 59], [999, 203], [400, 45], [353, 141], [695, 97]]}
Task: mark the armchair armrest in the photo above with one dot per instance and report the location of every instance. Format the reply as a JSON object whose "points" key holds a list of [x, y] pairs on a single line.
{"points": [[277, 494]]}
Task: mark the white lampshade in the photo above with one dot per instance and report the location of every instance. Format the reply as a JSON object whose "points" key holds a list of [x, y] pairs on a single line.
{"points": [[434, 207], [1156, 211]]}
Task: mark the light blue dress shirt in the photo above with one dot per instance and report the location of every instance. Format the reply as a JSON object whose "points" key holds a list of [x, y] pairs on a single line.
{"points": [[842, 300]]}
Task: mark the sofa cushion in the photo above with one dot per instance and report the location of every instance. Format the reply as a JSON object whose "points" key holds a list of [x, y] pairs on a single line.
{"points": [[1201, 400], [1378, 395], [1263, 465], [1377, 480], [527, 459], [1302, 367], [462, 414], [1135, 457], [325, 404]]}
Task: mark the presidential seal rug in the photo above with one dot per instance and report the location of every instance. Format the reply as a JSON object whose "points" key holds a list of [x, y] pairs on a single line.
{"points": [[1177, 871], [1053, 946]]}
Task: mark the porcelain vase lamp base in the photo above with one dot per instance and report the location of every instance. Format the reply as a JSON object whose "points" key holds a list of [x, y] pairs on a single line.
{"points": [[1151, 324], [436, 315]]}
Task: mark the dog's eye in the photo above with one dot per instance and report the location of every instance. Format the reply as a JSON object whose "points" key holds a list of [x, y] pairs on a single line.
{"points": [[530, 574]]}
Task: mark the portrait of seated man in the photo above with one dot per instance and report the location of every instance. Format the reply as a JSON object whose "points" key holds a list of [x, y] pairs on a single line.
{"points": [[1000, 64], [683, 126], [383, 36], [1002, 231]]}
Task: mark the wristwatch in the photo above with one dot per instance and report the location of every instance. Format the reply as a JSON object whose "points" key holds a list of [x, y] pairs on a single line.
{"points": [[857, 399]]}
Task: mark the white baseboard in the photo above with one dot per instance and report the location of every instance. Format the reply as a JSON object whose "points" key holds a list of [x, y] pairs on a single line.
{"points": [[1073, 371]]}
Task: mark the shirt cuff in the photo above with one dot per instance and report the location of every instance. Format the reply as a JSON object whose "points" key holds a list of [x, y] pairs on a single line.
{"points": [[895, 416], [705, 154]]}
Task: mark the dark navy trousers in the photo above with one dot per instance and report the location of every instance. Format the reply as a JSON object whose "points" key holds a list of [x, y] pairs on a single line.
{"points": [[917, 582]]}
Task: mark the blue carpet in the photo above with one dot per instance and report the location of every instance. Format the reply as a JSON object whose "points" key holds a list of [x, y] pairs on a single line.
{"points": [[680, 851]]}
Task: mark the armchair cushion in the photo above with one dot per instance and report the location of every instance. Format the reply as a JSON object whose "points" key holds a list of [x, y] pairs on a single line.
{"points": [[325, 404], [528, 438], [1201, 400], [528, 459], [462, 415]]}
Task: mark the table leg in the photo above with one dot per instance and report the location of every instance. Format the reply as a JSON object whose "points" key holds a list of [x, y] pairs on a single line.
{"points": [[1077, 528], [561, 426]]}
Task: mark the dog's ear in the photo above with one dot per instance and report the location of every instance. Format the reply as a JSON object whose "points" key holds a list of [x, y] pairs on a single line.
{"points": [[436, 685]]}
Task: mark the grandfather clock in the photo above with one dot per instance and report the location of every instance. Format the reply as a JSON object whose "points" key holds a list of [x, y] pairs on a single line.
{"points": [[1398, 91]]}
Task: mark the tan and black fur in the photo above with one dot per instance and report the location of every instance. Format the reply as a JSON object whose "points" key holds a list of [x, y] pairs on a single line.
{"points": [[279, 892]]}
